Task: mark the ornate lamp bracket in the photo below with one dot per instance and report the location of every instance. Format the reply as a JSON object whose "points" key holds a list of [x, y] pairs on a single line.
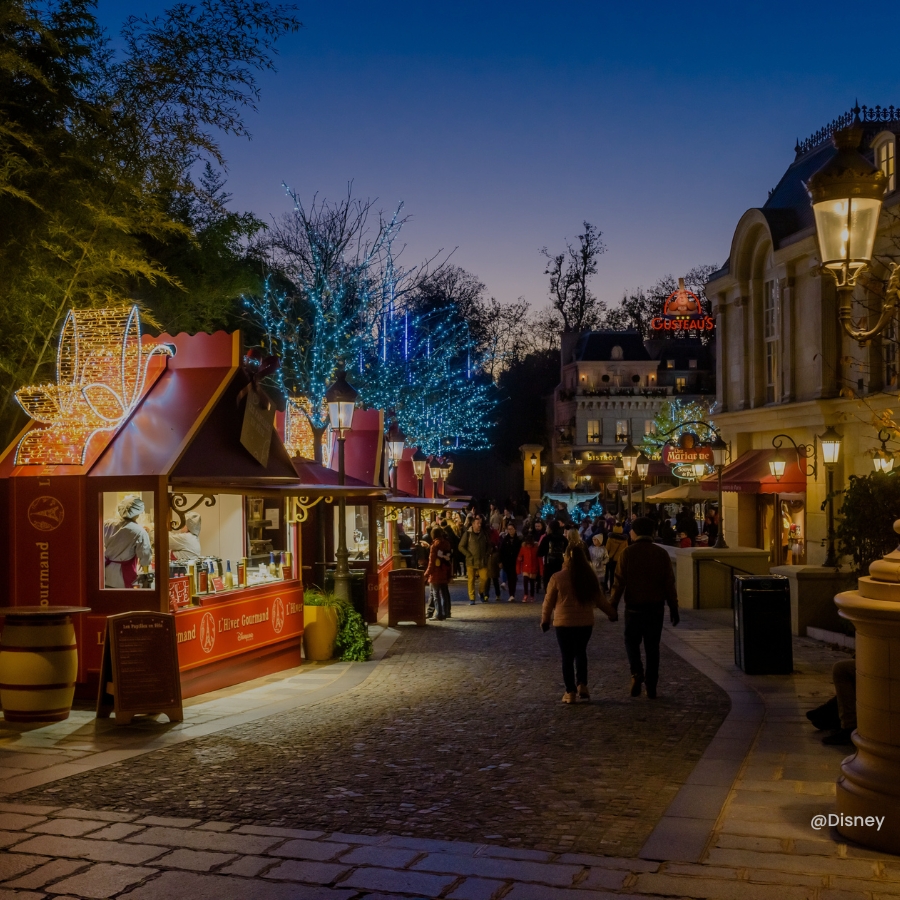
{"points": [[180, 509], [804, 452], [845, 288]]}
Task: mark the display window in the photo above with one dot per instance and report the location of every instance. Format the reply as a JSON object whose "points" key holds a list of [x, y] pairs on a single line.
{"points": [[782, 528], [357, 532], [129, 536], [219, 543]]}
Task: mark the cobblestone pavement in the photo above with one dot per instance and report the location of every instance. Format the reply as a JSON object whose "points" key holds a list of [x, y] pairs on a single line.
{"points": [[458, 735]]}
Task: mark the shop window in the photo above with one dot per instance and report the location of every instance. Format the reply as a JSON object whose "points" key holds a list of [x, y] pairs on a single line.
{"points": [[885, 152], [357, 532], [227, 542], [680, 384], [649, 426], [770, 338], [129, 536], [593, 431], [621, 431]]}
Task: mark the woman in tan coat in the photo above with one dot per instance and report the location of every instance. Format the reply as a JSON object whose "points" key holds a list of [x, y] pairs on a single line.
{"points": [[572, 595]]}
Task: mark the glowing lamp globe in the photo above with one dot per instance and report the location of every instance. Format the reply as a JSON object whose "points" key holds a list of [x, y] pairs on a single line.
{"points": [[341, 398], [396, 442], [643, 466], [846, 195], [777, 465], [630, 457], [831, 446], [699, 469], [884, 461], [419, 462], [719, 450], [619, 468]]}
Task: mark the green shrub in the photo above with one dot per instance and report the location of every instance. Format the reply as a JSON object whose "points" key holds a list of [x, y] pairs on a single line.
{"points": [[353, 643], [865, 530]]}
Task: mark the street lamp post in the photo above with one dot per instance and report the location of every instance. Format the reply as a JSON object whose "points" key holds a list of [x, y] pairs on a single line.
{"points": [[720, 451], [341, 399], [434, 470], [419, 461], [846, 194], [396, 442], [619, 468], [629, 460], [643, 469], [831, 453]]}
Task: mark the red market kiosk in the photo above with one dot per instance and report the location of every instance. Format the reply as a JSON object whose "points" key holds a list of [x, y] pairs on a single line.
{"points": [[177, 459]]}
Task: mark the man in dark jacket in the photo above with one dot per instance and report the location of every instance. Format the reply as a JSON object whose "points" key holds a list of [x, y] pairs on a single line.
{"points": [[475, 547], [510, 544], [645, 577]]}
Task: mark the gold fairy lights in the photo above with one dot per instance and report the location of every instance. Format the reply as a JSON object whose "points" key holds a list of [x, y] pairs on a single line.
{"points": [[101, 369], [299, 438]]}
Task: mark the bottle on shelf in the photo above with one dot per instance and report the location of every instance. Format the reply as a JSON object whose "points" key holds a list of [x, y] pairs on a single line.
{"points": [[272, 569], [229, 578]]}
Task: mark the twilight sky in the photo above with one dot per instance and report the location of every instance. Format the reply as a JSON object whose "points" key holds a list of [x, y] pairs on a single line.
{"points": [[503, 126]]}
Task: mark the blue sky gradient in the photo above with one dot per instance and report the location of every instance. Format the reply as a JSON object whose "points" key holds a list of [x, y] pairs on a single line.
{"points": [[503, 126]]}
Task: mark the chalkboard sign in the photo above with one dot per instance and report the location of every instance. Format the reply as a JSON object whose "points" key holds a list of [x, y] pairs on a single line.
{"points": [[139, 673], [406, 596]]}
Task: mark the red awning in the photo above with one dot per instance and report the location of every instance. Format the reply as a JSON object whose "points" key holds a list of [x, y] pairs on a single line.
{"points": [[312, 473], [749, 474]]}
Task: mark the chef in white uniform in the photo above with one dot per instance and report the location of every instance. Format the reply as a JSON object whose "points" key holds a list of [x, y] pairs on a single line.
{"points": [[126, 545], [185, 544]]}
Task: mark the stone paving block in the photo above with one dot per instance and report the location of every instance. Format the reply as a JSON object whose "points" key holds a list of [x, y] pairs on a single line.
{"points": [[83, 848], [8, 838], [430, 845], [609, 862], [604, 878], [102, 815], [12, 865], [271, 831], [217, 826], [541, 892], [308, 870], [405, 882], [715, 888], [861, 884], [677, 839], [299, 849], [204, 840], [66, 827], [51, 871], [356, 838], [515, 853], [386, 857], [783, 862], [19, 821], [195, 860], [21, 895], [220, 887], [168, 821], [101, 881], [476, 889], [31, 809], [545, 873], [118, 831], [249, 866]]}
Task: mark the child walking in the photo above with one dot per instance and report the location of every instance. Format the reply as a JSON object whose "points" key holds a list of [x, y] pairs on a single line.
{"points": [[527, 566]]}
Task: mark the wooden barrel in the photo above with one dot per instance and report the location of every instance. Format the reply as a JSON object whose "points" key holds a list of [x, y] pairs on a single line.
{"points": [[38, 667]]}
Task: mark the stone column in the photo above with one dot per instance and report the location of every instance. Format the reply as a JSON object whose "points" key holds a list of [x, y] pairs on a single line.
{"points": [[532, 475], [869, 786]]}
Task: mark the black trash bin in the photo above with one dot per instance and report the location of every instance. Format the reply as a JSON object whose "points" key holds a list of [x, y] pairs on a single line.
{"points": [[762, 624], [357, 588]]}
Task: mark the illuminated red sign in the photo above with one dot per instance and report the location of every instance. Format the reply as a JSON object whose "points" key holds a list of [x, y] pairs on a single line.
{"points": [[678, 456], [682, 311]]}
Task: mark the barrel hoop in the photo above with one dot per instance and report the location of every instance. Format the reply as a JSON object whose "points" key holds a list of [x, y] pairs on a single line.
{"points": [[41, 715], [36, 687], [5, 648]]}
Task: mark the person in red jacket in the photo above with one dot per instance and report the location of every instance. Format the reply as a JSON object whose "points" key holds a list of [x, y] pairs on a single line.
{"points": [[439, 571], [527, 566]]}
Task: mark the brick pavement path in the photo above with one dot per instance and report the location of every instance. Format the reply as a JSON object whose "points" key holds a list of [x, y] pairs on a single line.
{"points": [[459, 735]]}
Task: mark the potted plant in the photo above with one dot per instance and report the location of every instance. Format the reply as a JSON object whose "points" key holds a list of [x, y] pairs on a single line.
{"points": [[321, 617], [333, 626]]}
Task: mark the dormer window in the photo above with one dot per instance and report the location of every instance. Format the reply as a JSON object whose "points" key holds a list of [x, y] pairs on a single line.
{"points": [[692, 363], [670, 363], [885, 147], [616, 352]]}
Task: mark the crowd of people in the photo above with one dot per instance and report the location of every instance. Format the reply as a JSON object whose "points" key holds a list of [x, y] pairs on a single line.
{"points": [[599, 564]]}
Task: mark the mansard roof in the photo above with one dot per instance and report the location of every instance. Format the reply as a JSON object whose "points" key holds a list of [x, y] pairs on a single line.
{"points": [[597, 346]]}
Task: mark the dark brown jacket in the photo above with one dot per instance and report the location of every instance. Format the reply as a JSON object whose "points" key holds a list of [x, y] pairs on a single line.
{"points": [[645, 576]]}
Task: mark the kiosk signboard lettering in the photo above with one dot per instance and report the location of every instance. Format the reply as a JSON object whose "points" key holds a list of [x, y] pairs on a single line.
{"points": [[139, 673]]}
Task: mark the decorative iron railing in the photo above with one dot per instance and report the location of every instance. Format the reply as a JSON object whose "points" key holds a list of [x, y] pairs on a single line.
{"points": [[873, 114]]}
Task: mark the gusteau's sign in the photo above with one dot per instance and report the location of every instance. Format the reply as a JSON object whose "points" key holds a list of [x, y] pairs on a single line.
{"points": [[682, 312]]}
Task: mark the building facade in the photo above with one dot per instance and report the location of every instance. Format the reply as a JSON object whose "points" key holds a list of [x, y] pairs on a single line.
{"points": [[785, 365], [612, 386]]}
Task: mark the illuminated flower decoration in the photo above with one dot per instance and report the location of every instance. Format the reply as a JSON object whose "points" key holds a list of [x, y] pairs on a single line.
{"points": [[101, 369], [299, 438]]}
